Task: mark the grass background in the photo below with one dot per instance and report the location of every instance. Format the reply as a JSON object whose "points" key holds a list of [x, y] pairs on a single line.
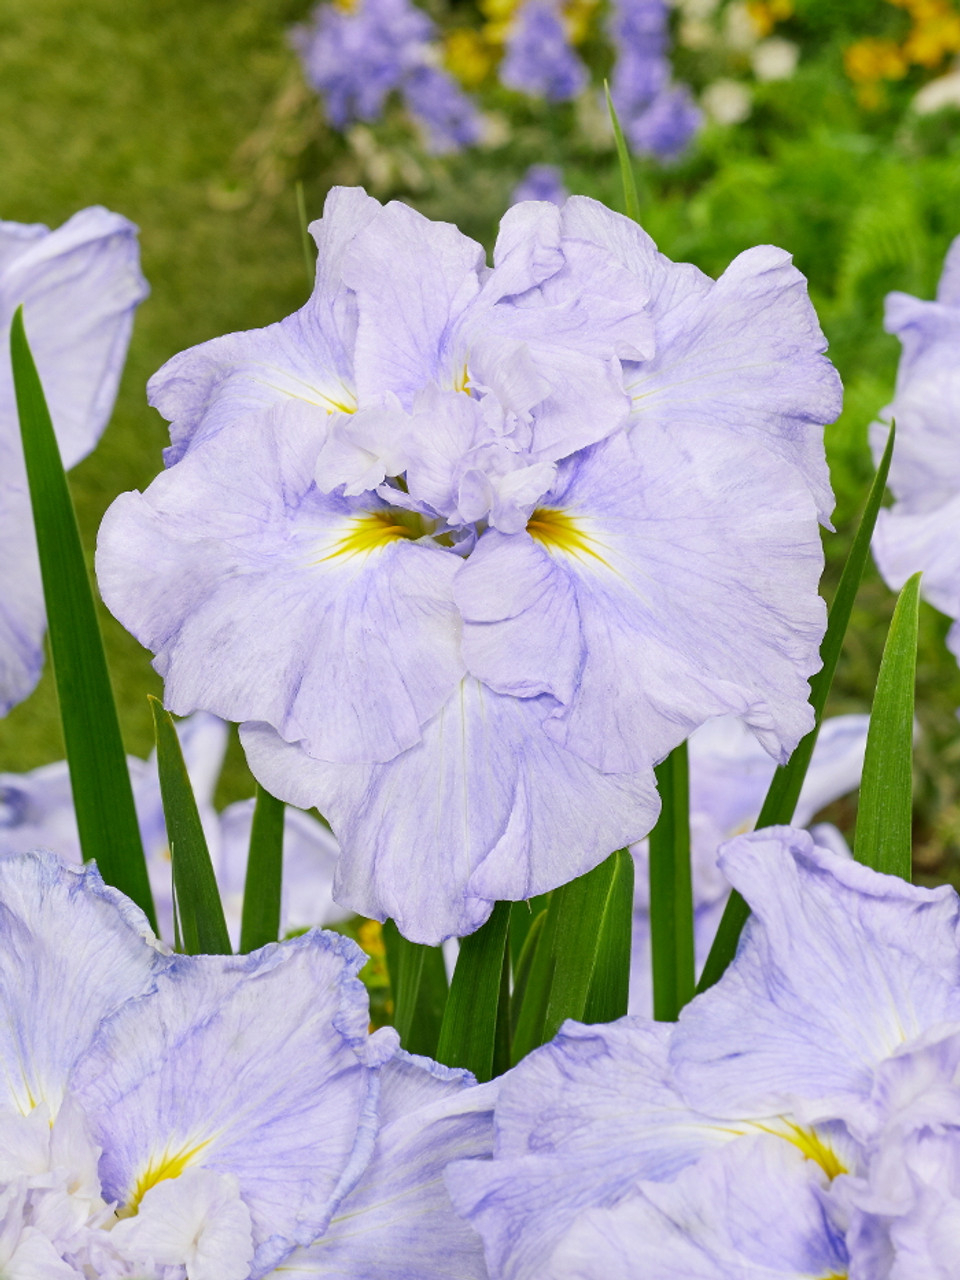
{"points": [[192, 119]]}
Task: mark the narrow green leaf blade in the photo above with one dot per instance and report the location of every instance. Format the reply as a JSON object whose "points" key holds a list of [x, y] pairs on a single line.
{"points": [[468, 1036], [671, 891], [781, 799], [631, 198], [202, 924], [99, 777], [418, 981], [609, 993], [263, 885], [571, 970], [883, 838]]}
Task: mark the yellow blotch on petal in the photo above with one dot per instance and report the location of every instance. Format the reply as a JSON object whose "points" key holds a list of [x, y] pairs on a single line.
{"points": [[557, 530], [808, 1142], [170, 1165], [371, 532]]}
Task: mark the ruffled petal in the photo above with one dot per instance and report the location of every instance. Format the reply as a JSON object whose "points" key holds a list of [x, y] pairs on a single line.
{"points": [[256, 1066], [741, 355], [485, 807], [79, 287], [268, 600], [72, 950], [398, 1222], [838, 967], [683, 571], [304, 363]]}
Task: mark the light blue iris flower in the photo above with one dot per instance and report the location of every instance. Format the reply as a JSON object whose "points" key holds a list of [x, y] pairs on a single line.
{"points": [[539, 58], [177, 1117], [802, 1118], [415, 537], [920, 530], [79, 287]]}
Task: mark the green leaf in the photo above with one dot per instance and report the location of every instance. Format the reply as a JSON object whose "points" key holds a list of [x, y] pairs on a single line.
{"points": [[627, 176], [609, 992], [524, 964], [469, 1034], [579, 945], [781, 799], [99, 777], [883, 837], [418, 982], [263, 885], [309, 250], [671, 891], [202, 924]]}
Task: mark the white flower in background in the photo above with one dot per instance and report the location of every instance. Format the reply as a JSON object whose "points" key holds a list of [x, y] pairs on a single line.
{"points": [[775, 59], [726, 101]]}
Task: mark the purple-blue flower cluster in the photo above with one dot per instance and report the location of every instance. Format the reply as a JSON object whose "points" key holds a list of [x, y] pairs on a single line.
{"points": [[356, 55], [802, 1119], [657, 116], [540, 59], [468, 549]]}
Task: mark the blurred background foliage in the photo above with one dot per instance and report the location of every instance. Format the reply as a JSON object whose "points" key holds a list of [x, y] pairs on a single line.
{"points": [[192, 118]]}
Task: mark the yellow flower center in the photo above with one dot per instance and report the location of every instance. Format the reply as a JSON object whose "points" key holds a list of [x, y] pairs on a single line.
{"points": [[170, 1165], [559, 531]]}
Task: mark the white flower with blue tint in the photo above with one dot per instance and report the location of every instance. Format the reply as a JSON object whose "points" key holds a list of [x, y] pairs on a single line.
{"points": [[920, 531], [802, 1118], [417, 533], [729, 776], [79, 287], [176, 1117]]}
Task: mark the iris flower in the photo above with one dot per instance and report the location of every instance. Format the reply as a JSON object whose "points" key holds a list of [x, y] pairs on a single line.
{"points": [[920, 530], [176, 1117], [469, 549], [801, 1119], [79, 287]]}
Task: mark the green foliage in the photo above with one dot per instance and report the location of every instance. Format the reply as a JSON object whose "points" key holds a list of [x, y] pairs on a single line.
{"points": [[202, 928], [418, 980], [884, 838], [99, 778], [263, 885], [671, 891]]}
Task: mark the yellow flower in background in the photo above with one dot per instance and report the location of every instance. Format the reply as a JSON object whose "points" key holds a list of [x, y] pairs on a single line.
{"points": [[934, 34], [468, 56], [765, 14]]}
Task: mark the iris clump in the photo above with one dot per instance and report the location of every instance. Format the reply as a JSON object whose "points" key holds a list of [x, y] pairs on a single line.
{"points": [[799, 1120], [414, 536], [173, 1117], [658, 117]]}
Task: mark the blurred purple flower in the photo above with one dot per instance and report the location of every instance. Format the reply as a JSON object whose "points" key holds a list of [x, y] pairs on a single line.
{"points": [[921, 531], [79, 287], [449, 117], [657, 117], [356, 55], [540, 182], [539, 58]]}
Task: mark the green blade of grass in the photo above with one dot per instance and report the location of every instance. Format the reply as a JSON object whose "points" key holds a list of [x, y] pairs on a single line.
{"points": [[671, 891], [781, 799], [202, 925], [99, 777], [469, 1034], [418, 982], [263, 884], [631, 198], [572, 971], [883, 838]]}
